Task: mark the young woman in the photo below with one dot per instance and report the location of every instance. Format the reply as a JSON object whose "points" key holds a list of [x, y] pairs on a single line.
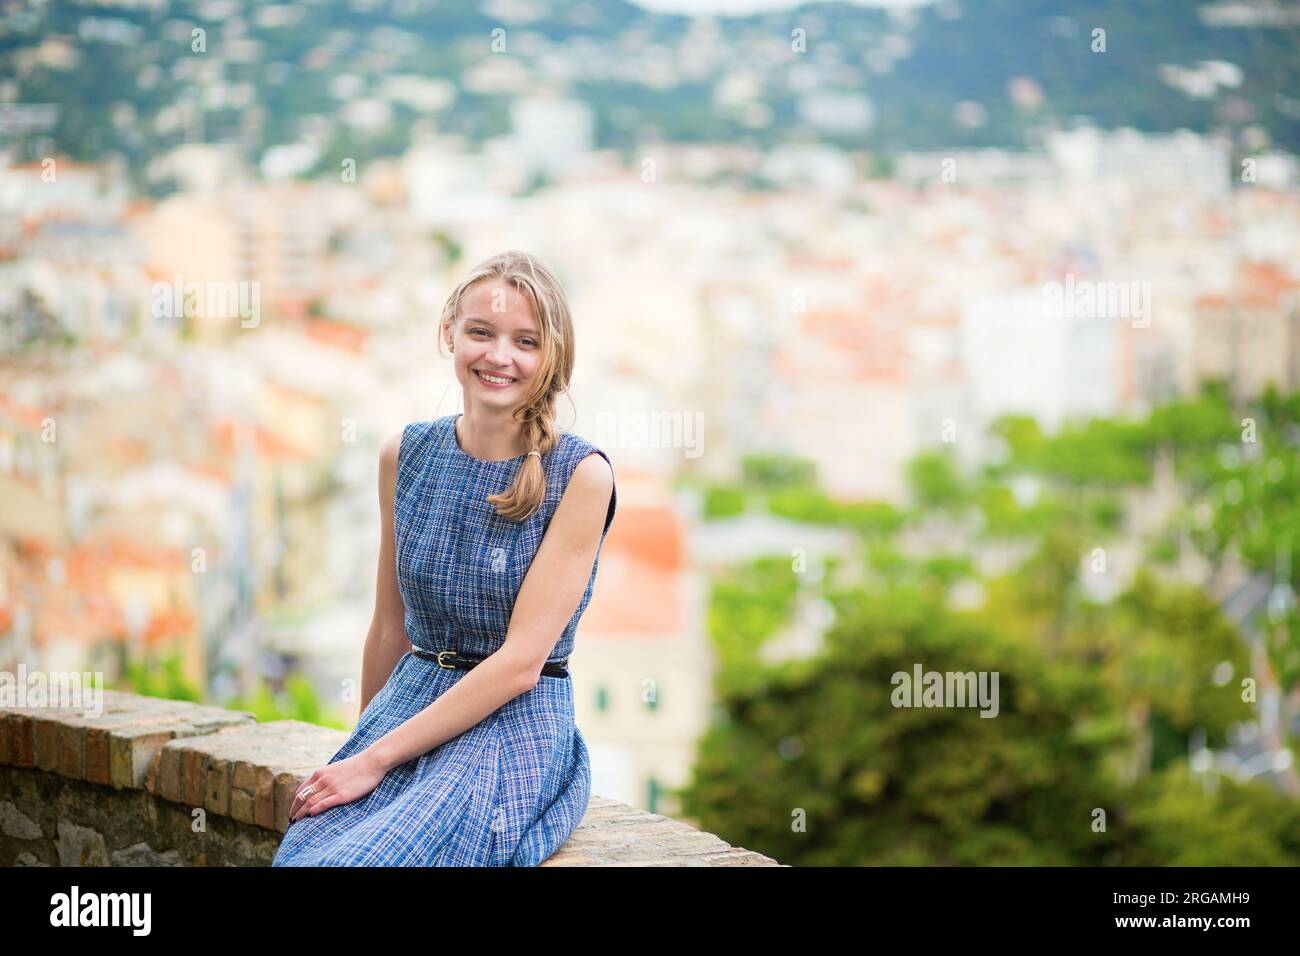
{"points": [[492, 523]]}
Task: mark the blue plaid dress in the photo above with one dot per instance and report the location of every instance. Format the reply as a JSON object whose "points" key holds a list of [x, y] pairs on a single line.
{"points": [[510, 790]]}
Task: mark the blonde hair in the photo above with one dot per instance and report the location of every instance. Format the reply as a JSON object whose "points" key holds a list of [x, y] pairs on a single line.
{"points": [[536, 283]]}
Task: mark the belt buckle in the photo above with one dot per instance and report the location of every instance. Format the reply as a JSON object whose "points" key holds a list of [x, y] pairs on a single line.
{"points": [[440, 660]]}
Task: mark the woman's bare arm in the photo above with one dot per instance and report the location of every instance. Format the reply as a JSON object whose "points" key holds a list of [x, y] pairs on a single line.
{"points": [[547, 598], [386, 641]]}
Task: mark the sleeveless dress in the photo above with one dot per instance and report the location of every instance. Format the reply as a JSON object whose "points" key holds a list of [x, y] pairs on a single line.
{"points": [[510, 790]]}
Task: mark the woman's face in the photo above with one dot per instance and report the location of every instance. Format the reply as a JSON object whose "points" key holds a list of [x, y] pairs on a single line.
{"points": [[497, 336]]}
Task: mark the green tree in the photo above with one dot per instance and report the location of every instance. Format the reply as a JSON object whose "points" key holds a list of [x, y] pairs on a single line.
{"points": [[298, 701], [1171, 820], [935, 481], [159, 675], [747, 607], [723, 501], [815, 766], [1160, 646], [776, 471]]}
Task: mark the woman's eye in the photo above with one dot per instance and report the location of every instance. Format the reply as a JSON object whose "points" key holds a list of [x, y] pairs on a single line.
{"points": [[529, 342]]}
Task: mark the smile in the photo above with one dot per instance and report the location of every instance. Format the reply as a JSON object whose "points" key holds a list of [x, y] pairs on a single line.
{"points": [[494, 380]]}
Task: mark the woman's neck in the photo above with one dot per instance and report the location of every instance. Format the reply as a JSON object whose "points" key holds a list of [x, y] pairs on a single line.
{"points": [[492, 437]]}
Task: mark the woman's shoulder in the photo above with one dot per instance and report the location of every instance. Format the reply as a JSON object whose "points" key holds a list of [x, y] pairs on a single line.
{"points": [[574, 451], [415, 439], [571, 449], [426, 428]]}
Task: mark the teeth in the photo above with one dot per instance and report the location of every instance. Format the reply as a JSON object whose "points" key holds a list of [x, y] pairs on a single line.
{"points": [[494, 379]]}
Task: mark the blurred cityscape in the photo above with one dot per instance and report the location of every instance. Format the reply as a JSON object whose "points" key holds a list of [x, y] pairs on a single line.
{"points": [[208, 329]]}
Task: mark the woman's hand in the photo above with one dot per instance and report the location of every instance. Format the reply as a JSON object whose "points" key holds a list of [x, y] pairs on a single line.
{"points": [[349, 779]]}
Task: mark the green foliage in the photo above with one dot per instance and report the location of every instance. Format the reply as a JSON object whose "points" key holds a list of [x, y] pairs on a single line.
{"points": [[804, 504], [1129, 682], [1021, 434], [887, 560], [772, 472], [903, 786], [746, 608], [722, 501], [813, 506], [1045, 588], [1244, 490], [1173, 821], [1195, 424], [1106, 513], [881, 785], [298, 701], [450, 246], [969, 57], [1098, 452], [1002, 513], [787, 486], [1005, 517], [1283, 646], [1099, 701], [947, 569], [1164, 548], [880, 166], [159, 676], [872, 517], [1160, 648], [935, 481]]}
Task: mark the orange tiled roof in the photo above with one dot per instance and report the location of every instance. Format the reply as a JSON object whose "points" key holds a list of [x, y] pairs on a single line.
{"points": [[1258, 285], [874, 353], [27, 415], [654, 534], [639, 589], [79, 607], [266, 443], [348, 337], [1266, 281], [642, 600]]}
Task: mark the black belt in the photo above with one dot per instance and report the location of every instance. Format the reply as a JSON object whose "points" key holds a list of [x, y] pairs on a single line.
{"points": [[463, 662]]}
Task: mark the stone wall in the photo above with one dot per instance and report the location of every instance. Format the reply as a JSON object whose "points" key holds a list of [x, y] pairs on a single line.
{"points": [[152, 782]]}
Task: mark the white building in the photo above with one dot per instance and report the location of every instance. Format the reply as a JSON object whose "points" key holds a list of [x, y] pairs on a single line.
{"points": [[1020, 358], [1181, 162], [551, 134]]}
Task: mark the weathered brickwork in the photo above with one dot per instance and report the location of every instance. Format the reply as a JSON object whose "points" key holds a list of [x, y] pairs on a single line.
{"points": [[152, 782]]}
